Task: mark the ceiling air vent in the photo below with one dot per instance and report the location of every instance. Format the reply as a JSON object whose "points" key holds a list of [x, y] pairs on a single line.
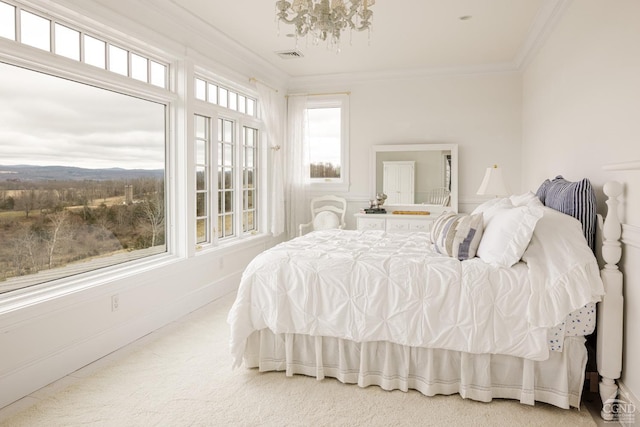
{"points": [[290, 54]]}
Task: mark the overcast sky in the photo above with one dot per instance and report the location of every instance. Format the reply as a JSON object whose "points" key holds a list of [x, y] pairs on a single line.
{"points": [[46, 120], [324, 132]]}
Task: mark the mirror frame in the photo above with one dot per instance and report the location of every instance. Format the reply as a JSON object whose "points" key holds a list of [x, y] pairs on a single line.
{"points": [[420, 147]]}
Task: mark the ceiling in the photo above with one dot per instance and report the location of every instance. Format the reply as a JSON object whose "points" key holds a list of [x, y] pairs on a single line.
{"points": [[407, 35]]}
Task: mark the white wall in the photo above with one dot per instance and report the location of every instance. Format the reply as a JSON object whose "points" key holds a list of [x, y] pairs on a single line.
{"points": [[581, 110], [479, 112]]}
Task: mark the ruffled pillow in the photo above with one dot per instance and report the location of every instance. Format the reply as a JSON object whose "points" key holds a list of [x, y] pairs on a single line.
{"points": [[507, 234], [457, 235]]}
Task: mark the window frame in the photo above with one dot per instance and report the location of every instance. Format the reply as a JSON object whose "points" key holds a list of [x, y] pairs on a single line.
{"points": [[42, 61], [214, 113], [339, 100], [180, 106]]}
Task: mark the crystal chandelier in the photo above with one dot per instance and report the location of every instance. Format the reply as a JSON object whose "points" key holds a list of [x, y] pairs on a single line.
{"points": [[325, 20]]}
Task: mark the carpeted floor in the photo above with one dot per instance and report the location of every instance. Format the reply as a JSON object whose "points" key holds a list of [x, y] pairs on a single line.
{"points": [[181, 376]]}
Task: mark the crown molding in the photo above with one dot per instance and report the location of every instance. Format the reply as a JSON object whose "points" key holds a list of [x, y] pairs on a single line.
{"points": [[350, 79], [545, 21], [623, 166]]}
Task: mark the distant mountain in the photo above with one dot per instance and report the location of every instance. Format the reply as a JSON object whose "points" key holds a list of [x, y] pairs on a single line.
{"points": [[66, 173]]}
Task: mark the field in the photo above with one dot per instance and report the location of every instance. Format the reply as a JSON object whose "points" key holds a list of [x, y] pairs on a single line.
{"points": [[49, 228]]}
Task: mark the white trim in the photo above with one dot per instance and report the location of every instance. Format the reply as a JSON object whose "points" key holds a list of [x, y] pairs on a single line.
{"points": [[631, 235], [624, 166], [545, 21], [301, 84]]}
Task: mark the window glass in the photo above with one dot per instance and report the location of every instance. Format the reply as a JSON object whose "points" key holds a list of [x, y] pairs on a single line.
{"points": [[35, 31], [158, 74], [328, 137], [226, 182], [249, 212], [201, 89], [67, 42], [324, 142], [118, 60], [7, 21], [95, 52], [202, 146], [251, 107], [213, 94], [87, 187], [242, 104], [223, 97], [233, 101], [139, 67]]}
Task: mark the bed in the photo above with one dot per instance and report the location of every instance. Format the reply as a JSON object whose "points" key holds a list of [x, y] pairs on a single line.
{"points": [[493, 304]]}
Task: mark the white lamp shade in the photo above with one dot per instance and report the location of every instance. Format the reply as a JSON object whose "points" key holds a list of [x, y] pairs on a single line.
{"points": [[493, 183]]}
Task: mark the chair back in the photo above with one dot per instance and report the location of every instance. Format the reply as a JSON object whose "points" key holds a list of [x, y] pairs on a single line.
{"points": [[438, 196], [327, 212]]}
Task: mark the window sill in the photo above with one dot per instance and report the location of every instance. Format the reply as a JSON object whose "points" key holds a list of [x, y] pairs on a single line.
{"points": [[233, 245], [20, 299]]}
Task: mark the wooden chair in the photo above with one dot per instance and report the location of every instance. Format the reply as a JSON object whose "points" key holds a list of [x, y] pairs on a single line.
{"points": [[438, 196], [327, 212]]}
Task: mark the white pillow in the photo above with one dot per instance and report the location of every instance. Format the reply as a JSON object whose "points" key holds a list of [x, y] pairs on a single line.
{"points": [[326, 220], [525, 199], [508, 234], [457, 235], [492, 206]]}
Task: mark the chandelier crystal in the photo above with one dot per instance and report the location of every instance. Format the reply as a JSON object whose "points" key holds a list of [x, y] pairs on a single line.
{"points": [[325, 20]]}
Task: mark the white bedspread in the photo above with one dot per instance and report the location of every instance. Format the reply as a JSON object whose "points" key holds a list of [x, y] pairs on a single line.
{"points": [[374, 286]]}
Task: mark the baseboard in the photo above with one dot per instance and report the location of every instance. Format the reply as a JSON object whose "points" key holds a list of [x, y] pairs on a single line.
{"points": [[626, 395], [28, 378]]}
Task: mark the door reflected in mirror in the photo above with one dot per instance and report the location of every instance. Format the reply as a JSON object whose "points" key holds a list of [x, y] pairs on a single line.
{"points": [[417, 174]]}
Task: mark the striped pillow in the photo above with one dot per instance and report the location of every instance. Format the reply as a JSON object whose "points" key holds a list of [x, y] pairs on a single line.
{"points": [[576, 199], [457, 235]]}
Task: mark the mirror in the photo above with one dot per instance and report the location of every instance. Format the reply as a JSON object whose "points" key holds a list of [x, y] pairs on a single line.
{"points": [[417, 174]]}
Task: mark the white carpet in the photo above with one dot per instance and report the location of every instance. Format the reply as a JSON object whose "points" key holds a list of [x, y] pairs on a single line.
{"points": [[181, 376]]}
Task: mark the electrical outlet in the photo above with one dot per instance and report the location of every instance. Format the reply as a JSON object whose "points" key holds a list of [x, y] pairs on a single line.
{"points": [[115, 302]]}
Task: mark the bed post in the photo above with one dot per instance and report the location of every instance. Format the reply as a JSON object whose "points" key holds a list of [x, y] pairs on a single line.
{"points": [[610, 309]]}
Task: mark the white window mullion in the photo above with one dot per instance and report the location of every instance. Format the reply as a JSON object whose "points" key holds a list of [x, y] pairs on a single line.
{"points": [[239, 196], [214, 179]]}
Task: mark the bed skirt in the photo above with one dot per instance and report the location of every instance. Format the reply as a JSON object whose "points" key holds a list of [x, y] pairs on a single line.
{"points": [[557, 380]]}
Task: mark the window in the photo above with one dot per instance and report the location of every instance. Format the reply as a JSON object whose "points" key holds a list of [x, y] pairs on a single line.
{"points": [[203, 177], [37, 32], [249, 195], [223, 97], [83, 177], [226, 178], [7, 21], [328, 142], [227, 192]]}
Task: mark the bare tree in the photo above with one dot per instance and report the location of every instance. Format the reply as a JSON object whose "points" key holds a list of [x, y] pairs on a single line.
{"points": [[153, 209], [57, 234], [25, 249], [27, 201]]}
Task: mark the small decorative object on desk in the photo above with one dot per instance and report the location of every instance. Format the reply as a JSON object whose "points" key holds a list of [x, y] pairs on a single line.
{"points": [[376, 205]]}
